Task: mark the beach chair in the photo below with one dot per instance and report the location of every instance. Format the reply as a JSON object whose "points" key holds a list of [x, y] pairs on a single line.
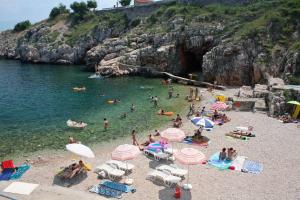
{"points": [[163, 176], [173, 169], [157, 155], [127, 167], [112, 172]]}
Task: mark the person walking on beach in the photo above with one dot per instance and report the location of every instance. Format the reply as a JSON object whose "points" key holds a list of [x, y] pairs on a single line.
{"points": [[192, 110], [105, 124], [134, 140], [155, 101]]}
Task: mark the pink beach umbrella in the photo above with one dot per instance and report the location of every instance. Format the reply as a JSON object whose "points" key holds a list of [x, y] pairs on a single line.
{"points": [[125, 152], [173, 135], [189, 156], [219, 106]]}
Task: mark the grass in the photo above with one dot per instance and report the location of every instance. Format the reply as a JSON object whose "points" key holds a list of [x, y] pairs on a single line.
{"points": [[52, 36]]}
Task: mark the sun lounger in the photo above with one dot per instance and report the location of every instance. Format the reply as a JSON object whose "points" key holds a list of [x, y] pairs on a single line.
{"points": [[157, 155], [168, 179], [173, 169], [127, 167], [112, 172]]}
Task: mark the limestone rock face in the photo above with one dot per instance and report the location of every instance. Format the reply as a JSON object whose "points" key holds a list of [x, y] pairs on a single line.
{"points": [[182, 46]]}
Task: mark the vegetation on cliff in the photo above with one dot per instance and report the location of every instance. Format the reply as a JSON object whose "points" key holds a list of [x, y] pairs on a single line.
{"points": [[246, 40]]}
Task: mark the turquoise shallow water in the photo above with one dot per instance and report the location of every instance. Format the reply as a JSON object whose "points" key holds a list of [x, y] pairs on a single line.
{"points": [[37, 100]]}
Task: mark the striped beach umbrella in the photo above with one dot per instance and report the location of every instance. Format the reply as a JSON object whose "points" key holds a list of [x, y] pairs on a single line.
{"points": [[203, 121]]}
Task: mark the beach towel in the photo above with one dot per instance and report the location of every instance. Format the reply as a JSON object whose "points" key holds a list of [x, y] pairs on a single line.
{"points": [[238, 163], [252, 167], [106, 191], [190, 142], [221, 165], [21, 188], [116, 186], [6, 174], [20, 171]]}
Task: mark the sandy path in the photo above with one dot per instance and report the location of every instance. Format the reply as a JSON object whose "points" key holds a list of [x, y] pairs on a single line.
{"points": [[276, 146]]}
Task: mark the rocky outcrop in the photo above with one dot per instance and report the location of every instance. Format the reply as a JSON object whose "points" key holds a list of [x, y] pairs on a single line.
{"points": [[178, 45]]}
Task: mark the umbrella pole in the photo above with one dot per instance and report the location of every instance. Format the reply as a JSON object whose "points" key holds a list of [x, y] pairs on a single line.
{"points": [[188, 176]]}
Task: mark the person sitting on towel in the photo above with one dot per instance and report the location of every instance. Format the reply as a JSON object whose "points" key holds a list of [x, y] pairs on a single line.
{"points": [[76, 168], [231, 153], [222, 155]]}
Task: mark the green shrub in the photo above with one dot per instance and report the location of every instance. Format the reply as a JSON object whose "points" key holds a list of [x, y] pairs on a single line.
{"points": [[21, 26], [125, 2], [135, 22], [56, 11], [294, 80], [152, 19]]}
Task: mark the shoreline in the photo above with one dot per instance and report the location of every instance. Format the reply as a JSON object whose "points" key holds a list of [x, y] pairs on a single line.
{"points": [[270, 134]]}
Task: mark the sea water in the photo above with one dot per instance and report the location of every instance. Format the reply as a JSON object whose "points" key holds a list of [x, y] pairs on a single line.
{"points": [[36, 101]]}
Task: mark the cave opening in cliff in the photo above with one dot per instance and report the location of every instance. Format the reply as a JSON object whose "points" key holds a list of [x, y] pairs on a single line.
{"points": [[191, 62]]}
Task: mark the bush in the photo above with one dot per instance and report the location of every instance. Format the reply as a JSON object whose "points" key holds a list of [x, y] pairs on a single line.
{"points": [[135, 22], [125, 2], [60, 9], [21, 26], [170, 12], [152, 19]]}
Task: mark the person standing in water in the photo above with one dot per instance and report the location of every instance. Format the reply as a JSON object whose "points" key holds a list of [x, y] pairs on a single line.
{"points": [[191, 93], [134, 140], [170, 92], [155, 101], [132, 108], [196, 93], [105, 124]]}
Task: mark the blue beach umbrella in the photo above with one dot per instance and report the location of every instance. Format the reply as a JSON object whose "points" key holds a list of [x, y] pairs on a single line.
{"points": [[202, 121]]}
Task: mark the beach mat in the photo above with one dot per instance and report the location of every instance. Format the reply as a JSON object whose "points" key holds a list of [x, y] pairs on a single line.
{"points": [[21, 188], [188, 140], [252, 167], [215, 162], [116, 186], [6, 174], [20, 171], [238, 163], [106, 191]]}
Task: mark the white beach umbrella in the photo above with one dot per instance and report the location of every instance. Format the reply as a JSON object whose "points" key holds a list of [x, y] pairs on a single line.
{"points": [[80, 150]]}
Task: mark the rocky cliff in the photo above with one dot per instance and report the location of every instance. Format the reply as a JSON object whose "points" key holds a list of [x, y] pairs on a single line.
{"points": [[234, 45]]}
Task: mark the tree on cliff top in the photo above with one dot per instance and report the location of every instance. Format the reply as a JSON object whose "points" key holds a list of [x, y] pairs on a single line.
{"points": [[80, 8], [125, 2], [92, 4], [21, 26], [60, 9]]}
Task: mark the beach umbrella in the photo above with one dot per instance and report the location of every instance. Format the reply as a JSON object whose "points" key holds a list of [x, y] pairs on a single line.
{"points": [[296, 109], [189, 156], [219, 106], [80, 150], [202, 121], [125, 152], [173, 135], [293, 102]]}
